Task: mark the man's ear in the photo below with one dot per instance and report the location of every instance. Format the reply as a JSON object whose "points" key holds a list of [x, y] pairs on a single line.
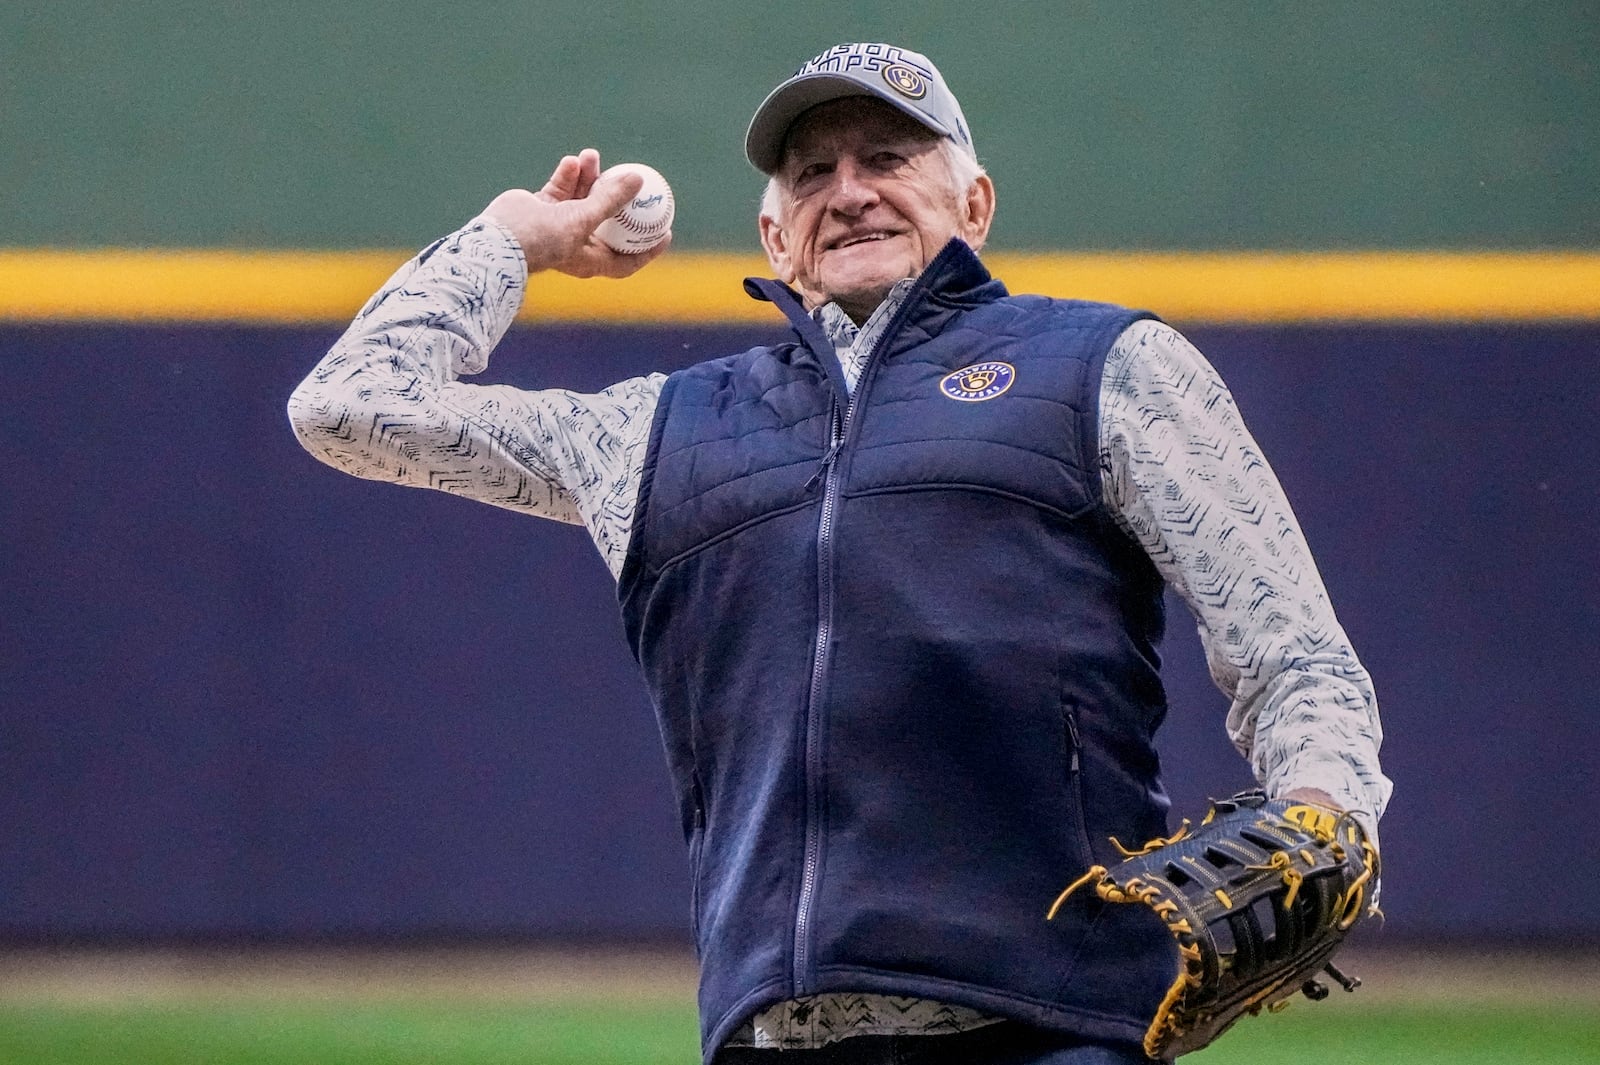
{"points": [[979, 205], [775, 242]]}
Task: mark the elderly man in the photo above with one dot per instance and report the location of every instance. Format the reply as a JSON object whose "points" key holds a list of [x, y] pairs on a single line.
{"points": [[895, 584]]}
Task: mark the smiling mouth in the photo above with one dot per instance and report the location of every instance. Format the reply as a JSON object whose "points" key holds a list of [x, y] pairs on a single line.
{"points": [[860, 238]]}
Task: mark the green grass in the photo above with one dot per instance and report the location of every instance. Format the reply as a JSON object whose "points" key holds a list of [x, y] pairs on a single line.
{"points": [[585, 1034], [347, 1034], [1430, 1034]]}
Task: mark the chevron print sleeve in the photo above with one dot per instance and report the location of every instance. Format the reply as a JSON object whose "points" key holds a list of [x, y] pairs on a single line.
{"points": [[1186, 480], [386, 403]]}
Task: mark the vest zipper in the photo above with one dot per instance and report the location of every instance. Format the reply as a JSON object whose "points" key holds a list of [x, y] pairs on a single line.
{"points": [[1080, 825], [828, 456], [819, 661], [696, 850], [1074, 737]]}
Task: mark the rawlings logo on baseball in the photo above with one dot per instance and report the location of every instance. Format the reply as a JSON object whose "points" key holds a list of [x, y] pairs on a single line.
{"points": [[644, 221]]}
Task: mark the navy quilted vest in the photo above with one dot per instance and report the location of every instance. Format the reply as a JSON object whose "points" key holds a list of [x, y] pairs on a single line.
{"points": [[905, 666]]}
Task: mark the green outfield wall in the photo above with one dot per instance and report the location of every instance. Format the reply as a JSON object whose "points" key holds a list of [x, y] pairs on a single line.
{"points": [[1108, 125]]}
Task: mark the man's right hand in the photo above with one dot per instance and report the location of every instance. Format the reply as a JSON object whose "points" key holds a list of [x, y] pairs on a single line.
{"points": [[556, 225]]}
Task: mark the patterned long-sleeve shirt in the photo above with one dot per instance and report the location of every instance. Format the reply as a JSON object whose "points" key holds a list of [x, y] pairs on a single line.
{"points": [[1181, 474]]}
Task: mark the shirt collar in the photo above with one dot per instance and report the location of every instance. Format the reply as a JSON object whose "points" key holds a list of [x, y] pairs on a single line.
{"points": [[844, 333]]}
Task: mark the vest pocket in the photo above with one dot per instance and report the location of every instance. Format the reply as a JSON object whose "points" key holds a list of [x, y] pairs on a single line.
{"points": [[697, 840], [1072, 739]]}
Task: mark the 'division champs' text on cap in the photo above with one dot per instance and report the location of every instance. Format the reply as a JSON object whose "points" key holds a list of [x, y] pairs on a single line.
{"points": [[904, 79]]}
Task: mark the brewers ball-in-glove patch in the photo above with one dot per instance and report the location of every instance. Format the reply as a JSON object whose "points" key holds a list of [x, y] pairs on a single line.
{"points": [[1257, 898]]}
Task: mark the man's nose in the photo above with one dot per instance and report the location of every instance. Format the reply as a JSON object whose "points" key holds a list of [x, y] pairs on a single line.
{"points": [[853, 190]]}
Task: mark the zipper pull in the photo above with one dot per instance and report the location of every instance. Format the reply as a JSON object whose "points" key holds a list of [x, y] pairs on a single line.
{"points": [[827, 460], [836, 434], [1077, 740]]}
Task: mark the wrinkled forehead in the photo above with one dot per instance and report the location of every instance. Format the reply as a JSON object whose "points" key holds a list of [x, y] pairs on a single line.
{"points": [[852, 124]]}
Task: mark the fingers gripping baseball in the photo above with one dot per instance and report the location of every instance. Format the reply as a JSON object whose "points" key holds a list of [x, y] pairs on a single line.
{"points": [[556, 225]]}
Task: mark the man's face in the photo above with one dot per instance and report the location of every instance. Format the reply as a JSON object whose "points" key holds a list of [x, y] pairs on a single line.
{"points": [[867, 198]]}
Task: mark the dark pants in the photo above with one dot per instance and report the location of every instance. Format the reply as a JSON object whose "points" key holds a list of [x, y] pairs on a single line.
{"points": [[995, 1044]]}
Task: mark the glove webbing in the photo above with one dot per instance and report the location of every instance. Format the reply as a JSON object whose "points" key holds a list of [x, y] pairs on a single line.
{"points": [[1165, 1028]]}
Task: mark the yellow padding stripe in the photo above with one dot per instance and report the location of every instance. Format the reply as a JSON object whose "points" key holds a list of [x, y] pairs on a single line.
{"points": [[299, 286]]}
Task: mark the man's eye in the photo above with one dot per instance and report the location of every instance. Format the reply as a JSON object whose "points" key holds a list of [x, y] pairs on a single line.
{"points": [[888, 160], [811, 170]]}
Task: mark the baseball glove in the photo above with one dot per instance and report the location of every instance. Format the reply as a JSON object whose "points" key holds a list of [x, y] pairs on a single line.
{"points": [[1257, 898]]}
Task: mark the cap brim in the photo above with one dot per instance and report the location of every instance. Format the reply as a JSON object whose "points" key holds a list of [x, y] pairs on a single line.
{"points": [[763, 141]]}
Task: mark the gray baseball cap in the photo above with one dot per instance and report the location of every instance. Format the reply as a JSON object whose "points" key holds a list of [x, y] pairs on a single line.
{"points": [[905, 79]]}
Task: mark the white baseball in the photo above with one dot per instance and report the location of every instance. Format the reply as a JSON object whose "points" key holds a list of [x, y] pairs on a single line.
{"points": [[643, 222]]}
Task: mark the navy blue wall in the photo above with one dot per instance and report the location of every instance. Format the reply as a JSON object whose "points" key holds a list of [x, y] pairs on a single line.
{"points": [[244, 695]]}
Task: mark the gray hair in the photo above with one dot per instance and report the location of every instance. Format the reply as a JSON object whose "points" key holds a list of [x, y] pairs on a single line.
{"points": [[964, 170]]}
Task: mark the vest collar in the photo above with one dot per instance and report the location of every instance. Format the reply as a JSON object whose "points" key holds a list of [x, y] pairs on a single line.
{"points": [[957, 276], [812, 336], [956, 279]]}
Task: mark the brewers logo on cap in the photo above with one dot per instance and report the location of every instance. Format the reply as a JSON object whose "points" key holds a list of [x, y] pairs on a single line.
{"points": [[906, 80], [978, 382]]}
